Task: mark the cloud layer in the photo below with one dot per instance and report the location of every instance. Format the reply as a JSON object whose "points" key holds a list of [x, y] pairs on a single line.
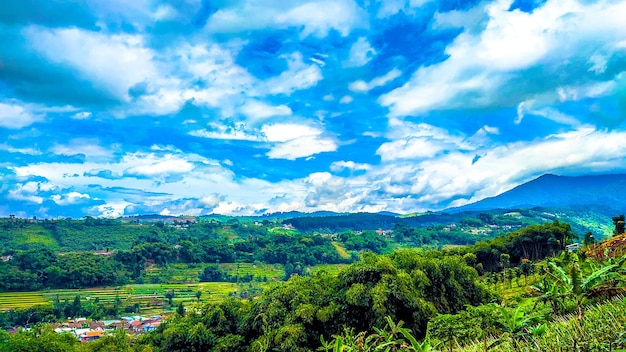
{"points": [[243, 107]]}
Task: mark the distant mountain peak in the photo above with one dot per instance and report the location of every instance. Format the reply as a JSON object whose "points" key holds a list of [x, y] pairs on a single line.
{"points": [[554, 190]]}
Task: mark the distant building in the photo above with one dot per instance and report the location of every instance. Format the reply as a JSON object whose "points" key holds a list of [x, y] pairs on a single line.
{"points": [[90, 335], [573, 246]]}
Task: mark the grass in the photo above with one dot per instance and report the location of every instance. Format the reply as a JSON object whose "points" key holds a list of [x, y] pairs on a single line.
{"points": [[17, 300], [603, 329], [332, 269], [34, 236], [341, 250], [268, 271]]}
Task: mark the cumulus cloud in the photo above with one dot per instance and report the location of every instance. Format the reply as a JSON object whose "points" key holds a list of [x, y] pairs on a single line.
{"points": [[257, 110], [483, 65], [418, 141], [350, 165], [361, 86], [361, 53], [90, 148], [238, 131], [70, 198], [150, 165], [313, 18], [298, 76], [292, 141], [117, 62], [14, 115], [252, 107]]}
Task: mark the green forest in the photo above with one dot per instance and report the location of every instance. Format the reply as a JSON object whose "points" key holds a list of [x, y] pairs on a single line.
{"points": [[400, 290]]}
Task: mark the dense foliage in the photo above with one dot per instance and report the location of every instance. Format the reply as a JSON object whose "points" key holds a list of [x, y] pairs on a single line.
{"points": [[406, 285], [533, 243]]}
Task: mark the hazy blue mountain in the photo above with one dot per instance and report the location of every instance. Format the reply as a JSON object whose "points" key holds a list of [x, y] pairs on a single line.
{"points": [[558, 191]]}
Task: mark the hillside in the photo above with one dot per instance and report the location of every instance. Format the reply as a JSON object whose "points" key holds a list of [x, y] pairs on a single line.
{"points": [[558, 191]]}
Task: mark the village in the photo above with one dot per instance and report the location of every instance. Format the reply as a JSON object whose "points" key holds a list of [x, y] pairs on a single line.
{"points": [[86, 330]]}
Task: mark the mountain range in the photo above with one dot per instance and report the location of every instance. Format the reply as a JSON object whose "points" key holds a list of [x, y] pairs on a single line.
{"points": [[558, 191]]}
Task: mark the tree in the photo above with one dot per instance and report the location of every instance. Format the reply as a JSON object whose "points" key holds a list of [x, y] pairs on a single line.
{"points": [[198, 294], [180, 310], [169, 295], [588, 239], [618, 221], [505, 260], [526, 267]]}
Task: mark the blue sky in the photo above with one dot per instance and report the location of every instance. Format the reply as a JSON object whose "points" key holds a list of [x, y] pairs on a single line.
{"points": [[112, 108]]}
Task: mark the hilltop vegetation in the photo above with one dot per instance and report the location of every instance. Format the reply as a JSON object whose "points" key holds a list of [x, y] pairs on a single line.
{"points": [[506, 293]]}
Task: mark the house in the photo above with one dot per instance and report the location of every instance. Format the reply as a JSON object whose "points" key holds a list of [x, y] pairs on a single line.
{"points": [[136, 326], [90, 335], [151, 326], [573, 246]]}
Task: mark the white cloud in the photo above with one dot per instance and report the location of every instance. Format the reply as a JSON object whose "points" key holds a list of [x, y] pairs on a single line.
{"points": [[258, 110], [116, 62], [119, 64], [14, 115], [83, 115], [361, 53], [350, 165], [215, 65], [283, 132], [165, 12], [320, 17], [557, 35], [346, 99], [314, 18], [293, 141], [29, 191], [238, 131], [212, 200], [299, 76], [153, 165], [11, 149], [302, 147], [70, 198], [361, 86], [392, 7], [112, 209], [87, 147]]}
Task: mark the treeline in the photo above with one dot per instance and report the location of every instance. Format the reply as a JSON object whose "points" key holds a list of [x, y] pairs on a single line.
{"points": [[406, 285], [40, 267], [368, 221], [532, 243], [64, 309], [96, 234]]}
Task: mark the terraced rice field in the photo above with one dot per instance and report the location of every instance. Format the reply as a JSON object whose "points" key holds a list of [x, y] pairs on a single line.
{"points": [[268, 271], [13, 300], [151, 297], [104, 295]]}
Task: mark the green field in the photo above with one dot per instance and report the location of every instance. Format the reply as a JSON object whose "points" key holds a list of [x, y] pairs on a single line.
{"points": [[180, 278], [268, 271], [35, 236], [332, 269], [188, 273], [16, 300]]}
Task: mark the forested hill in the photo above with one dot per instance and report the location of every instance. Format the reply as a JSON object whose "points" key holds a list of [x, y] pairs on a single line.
{"points": [[558, 191]]}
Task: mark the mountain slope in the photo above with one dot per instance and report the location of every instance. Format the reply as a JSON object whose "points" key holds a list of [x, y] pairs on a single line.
{"points": [[552, 190]]}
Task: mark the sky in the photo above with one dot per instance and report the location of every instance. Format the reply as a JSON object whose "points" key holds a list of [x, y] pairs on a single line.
{"points": [[245, 107]]}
